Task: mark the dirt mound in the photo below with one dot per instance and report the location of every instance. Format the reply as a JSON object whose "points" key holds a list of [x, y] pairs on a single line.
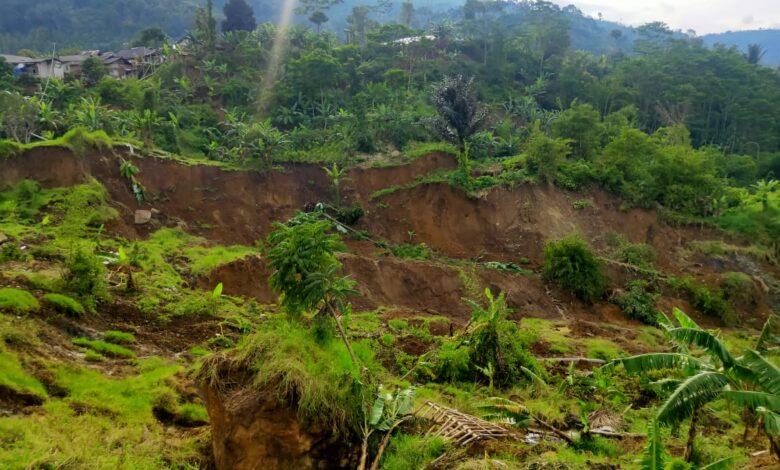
{"points": [[253, 429]]}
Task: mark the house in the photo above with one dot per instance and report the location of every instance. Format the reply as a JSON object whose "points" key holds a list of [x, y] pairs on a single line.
{"points": [[40, 68], [73, 64], [143, 59], [118, 67]]}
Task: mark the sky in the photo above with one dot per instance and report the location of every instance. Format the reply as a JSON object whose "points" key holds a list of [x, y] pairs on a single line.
{"points": [[703, 16]]}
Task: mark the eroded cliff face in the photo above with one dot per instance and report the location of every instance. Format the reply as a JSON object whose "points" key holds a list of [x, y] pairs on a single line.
{"points": [[256, 431]]}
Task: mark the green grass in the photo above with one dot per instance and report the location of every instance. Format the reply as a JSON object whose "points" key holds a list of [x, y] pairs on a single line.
{"points": [[64, 304], [417, 150], [104, 348], [314, 367], [544, 330], [599, 348], [101, 423], [14, 377], [119, 337], [407, 451], [17, 301]]}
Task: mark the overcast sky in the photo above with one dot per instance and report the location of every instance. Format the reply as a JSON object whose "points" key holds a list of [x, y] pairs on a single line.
{"points": [[703, 16]]}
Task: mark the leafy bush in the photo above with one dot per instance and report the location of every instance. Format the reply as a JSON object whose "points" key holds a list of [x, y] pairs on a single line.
{"points": [[638, 302], [104, 348], [85, 276], [64, 304], [704, 299], [119, 337], [737, 287], [17, 301], [418, 252], [572, 264], [12, 252]]}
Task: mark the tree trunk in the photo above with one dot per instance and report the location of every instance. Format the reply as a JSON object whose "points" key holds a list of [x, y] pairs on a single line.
{"points": [[343, 335], [691, 436], [363, 454]]}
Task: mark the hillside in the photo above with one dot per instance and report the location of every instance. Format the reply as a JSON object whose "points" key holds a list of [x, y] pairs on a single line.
{"points": [[508, 243]]}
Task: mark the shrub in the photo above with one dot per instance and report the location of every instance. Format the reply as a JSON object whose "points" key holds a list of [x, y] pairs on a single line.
{"points": [[64, 304], [119, 337], [638, 303], [418, 252], [707, 301], [17, 301], [12, 252], [572, 264], [106, 349], [737, 287], [85, 276]]}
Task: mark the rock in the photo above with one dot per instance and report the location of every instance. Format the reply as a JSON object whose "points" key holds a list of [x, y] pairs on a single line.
{"points": [[142, 217], [4, 238]]}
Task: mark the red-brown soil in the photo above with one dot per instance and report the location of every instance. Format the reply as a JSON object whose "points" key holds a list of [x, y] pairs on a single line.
{"points": [[508, 225]]}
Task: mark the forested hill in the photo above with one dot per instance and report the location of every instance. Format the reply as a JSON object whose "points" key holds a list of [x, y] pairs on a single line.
{"points": [[110, 24], [768, 39]]}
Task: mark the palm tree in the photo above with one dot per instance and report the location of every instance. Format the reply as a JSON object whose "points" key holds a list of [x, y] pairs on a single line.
{"points": [[754, 54], [460, 114], [750, 380]]}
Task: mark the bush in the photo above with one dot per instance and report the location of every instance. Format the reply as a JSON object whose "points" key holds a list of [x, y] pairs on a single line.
{"points": [[737, 288], [12, 252], [17, 301], [418, 252], [64, 304], [638, 303], [572, 264], [707, 301], [410, 452], [85, 276]]}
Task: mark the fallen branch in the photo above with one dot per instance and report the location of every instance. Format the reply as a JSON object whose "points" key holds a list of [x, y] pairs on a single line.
{"points": [[618, 435]]}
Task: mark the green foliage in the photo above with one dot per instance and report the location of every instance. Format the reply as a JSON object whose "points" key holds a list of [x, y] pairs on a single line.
{"points": [[408, 451], [546, 155], [572, 264], [492, 351], [85, 276], [654, 456], [14, 377], [64, 304], [303, 255], [104, 348], [119, 337], [410, 251], [703, 298], [637, 302], [17, 301]]}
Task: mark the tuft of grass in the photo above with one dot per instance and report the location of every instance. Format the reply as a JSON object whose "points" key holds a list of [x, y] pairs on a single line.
{"points": [[17, 301], [417, 150], [407, 451], [92, 356], [104, 348], [64, 304], [119, 337], [190, 414], [599, 348], [14, 377]]}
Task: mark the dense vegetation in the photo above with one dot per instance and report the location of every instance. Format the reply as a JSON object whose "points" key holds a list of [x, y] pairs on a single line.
{"points": [[688, 131]]}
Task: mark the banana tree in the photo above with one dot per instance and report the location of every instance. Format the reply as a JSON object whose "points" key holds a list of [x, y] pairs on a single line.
{"points": [[387, 413], [749, 380]]}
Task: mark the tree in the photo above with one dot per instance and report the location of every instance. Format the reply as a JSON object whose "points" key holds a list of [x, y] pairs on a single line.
{"points": [[205, 34], [749, 381], [318, 18], [763, 188], [94, 69], [571, 263], [150, 37], [388, 411], [302, 254], [754, 53], [239, 16], [406, 17], [545, 154], [18, 116], [460, 114]]}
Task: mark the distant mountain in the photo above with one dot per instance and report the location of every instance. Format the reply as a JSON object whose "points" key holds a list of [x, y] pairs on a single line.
{"points": [[769, 39]]}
